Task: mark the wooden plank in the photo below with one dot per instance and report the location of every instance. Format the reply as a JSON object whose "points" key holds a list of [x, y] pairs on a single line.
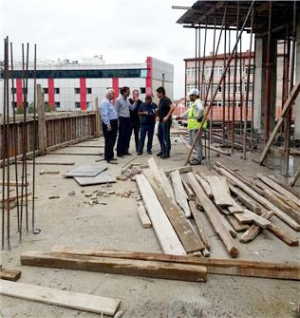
{"points": [[246, 199], [167, 185], [285, 110], [42, 131], [12, 275], [131, 267], [263, 201], [221, 196], [284, 270], [282, 235], [86, 171], [163, 229], [155, 172], [250, 217], [180, 194], [76, 154], [196, 215], [188, 190], [279, 188], [290, 189], [214, 216], [52, 296], [51, 163], [238, 227], [184, 169], [146, 223], [254, 229], [188, 238], [14, 183], [229, 227], [235, 208], [205, 185]]}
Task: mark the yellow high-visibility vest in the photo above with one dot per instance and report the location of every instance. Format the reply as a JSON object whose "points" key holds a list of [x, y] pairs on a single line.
{"points": [[193, 123]]}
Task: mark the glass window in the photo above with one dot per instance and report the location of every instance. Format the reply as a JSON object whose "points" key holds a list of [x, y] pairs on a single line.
{"points": [[77, 105], [143, 73], [143, 90], [56, 90], [89, 90], [57, 104], [77, 90], [45, 90]]}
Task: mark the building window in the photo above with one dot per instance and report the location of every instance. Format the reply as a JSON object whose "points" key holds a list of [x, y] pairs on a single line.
{"points": [[25, 90], [89, 90], [77, 105], [45, 90], [56, 90], [57, 104], [14, 104], [77, 90], [13, 90], [143, 90]]}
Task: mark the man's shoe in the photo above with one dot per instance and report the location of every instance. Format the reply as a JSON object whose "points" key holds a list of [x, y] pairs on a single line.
{"points": [[163, 156], [139, 153], [128, 154], [112, 162], [159, 154], [149, 152], [120, 155], [195, 162]]}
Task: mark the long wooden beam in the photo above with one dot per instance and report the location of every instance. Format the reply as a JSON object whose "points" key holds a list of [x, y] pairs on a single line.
{"points": [[132, 267], [284, 270]]}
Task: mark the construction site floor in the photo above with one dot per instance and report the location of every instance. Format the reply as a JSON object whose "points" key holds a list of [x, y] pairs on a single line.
{"points": [[68, 220]]}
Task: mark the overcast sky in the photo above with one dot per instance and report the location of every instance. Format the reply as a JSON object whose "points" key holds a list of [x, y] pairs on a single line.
{"points": [[123, 31]]}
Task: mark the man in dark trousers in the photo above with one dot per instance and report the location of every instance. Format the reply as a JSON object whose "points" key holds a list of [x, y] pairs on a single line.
{"points": [[109, 118], [134, 117], [123, 106], [165, 111], [147, 113]]}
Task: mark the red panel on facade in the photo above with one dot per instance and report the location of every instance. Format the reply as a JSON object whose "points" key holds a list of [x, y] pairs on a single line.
{"points": [[19, 92], [115, 86], [51, 100], [149, 76], [83, 94]]}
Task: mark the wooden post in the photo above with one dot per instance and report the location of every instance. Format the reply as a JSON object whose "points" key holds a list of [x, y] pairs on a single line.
{"points": [[41, 122], [97, 120]]}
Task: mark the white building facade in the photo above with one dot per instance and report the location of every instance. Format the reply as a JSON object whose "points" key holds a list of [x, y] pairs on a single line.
{"points": [[75, 86]]}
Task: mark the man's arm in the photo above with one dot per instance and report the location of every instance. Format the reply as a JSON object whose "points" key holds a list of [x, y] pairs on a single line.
{"points": [[117, 106], [171, 111], [183, 115], [104, 113]]}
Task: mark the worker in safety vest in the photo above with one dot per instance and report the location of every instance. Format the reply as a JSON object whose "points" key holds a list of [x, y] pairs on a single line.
{"points": [[195, 115]]}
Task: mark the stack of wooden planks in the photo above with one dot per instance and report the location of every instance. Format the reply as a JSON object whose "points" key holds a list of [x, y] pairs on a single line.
{"points": [[237, 209]]}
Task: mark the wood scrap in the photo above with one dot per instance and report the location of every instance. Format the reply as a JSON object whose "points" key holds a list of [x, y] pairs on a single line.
{"points": [[263, 201], [167, 185], [49, 172], [250, 217], [146, 223], [131, 267], [279, 188], [254, 229], [282, 235], [205, 185], [238, 227], [294, 178], [214, 217], [220, 193], [180, 194], [52, 296], [155, 172], [164, 231], [188, 190], [290, 189], [76, 154], [189, 240], [12, 275], [51, 163], [196, 215], [184, 169], [229, 228], [14, 184], [283, 270], [235, 208]]}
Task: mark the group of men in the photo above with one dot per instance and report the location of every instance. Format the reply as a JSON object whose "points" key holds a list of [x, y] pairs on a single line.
{"points": [[124, 116], [130, 115]]}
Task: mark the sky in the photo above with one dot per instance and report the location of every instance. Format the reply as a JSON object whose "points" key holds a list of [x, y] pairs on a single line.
{"points": [[123, 31]]}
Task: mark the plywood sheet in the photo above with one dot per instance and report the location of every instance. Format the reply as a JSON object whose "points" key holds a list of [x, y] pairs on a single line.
{"points": [[85, 171], [104, 177]]}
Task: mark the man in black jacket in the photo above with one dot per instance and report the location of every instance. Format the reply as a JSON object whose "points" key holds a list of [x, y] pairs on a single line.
{"points": [[134, 117]]}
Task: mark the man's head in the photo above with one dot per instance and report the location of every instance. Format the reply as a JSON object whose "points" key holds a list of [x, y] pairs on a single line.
{"points": [[135, 94], [148, 99], [110, 93], [125, 91], [194, 94], [160, 92]]}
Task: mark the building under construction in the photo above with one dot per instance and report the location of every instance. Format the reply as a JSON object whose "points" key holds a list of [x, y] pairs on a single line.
{"points": [[161, 237]]}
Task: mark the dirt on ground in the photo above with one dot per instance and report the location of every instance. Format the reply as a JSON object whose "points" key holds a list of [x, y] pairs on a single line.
{"points": [[70, 220]]}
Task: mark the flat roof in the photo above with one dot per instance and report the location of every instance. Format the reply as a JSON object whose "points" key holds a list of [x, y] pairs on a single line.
{"points": [[211, 13]]}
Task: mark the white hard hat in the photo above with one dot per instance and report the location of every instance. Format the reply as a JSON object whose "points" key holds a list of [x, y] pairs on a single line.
{"points": [[194, 91]]}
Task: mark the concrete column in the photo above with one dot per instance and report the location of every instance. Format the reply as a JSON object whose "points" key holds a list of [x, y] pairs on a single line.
{"points": [[297, 103], [258, 90], [261, 50]]}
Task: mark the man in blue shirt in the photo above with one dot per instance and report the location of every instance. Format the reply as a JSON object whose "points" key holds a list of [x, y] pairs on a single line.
{"points": [[147, 112], [109, 118]]}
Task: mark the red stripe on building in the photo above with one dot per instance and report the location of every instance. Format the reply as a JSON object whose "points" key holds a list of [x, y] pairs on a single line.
{"points": [[19, 84], [83, 94], [115, 86], [51, 100], [149, 76]]}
